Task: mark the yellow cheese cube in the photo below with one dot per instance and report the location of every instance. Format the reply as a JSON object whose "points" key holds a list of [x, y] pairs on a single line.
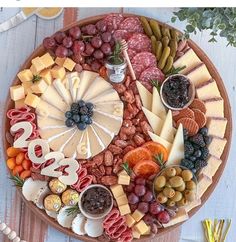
{"points": [[60, 61], [58, 72], [17, 92], [137, 215], [47, 60], [69, 64], [141, 227], [117, 190], [122, 200], [123, 172], [123, 179], [129, 220], [124, 209], [37, 64], [32, 100], [25, 75], [136, 234], [39, 86], [148, 231], [27, 87], [20, 103], [47, 76]]}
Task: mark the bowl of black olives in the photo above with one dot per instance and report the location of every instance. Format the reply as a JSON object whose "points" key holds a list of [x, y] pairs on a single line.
{"points": [[177, 92], [96, 201], [175, 186]]}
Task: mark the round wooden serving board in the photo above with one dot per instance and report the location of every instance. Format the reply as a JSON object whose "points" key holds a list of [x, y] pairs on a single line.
{"points": [[227, 110]]}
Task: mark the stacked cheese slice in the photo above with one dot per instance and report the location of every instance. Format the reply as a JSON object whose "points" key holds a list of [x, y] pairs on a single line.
{"points": [[162, 124], [57, 99]]}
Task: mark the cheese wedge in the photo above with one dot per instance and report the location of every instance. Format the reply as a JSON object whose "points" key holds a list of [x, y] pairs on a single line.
{"points": [[216, 147], [160, 140], [177, 150], [189, 59], [216, 126], [157, 106], [64, 93], [83, 149], [167, 131], [199, 74], [192, 205], [212, 166], [203, 183], [106, 96], [113, 107], [180, 217], [207, 89], [52, 132], [73, 81], [155, 122], [214, 107], [48, 122], [146, 96]]}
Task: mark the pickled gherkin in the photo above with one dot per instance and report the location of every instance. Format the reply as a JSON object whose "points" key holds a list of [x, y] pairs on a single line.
{"points": [[156, 29], [153, 42], [164, 56], [147, 28], [165, 31], [165, 41], [169, 64], [158, 50], [173, 47]]}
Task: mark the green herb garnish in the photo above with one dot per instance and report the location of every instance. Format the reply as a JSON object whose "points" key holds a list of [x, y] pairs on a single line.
{"points": [[155, 83], [126, 167], [73, 210], [159, 160], [116, 57], [17, 180], [174, 71], [36, 78]]}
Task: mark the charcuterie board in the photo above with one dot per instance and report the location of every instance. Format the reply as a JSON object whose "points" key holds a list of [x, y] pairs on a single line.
{"points": [[131, 115]]}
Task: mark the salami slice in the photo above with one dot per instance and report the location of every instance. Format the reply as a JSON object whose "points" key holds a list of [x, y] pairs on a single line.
{"points": [[111, 217], [138, 69], [120, 34], [131, 24], [151, 73], [131, 53], [139, 42], [113, 21]]}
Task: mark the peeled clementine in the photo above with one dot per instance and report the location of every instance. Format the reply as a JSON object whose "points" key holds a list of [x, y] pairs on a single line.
{"points": [[146, 168]]}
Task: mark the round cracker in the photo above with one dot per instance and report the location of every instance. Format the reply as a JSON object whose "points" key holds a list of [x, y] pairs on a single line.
{"points": [[199, 117], [184, 113], [189, 124], [198, 104]]}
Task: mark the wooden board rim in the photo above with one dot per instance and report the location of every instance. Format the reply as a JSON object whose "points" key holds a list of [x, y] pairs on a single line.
{"points": [[227, 108]]}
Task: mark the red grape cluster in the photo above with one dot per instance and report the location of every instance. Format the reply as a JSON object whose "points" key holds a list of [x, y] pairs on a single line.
{"points": [[87, 46], [140, 196]]}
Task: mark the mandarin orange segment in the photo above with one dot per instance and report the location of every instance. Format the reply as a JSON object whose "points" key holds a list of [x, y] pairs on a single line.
{"points": [[156, 149], [136, 155], [146, 168]]}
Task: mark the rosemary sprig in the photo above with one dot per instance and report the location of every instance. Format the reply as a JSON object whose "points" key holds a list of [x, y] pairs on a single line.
{"points": [[17, 180], [73, 210], [126, 167], [174, 71], [116, 57], [159, 160], [155, 83], [36, 78]]}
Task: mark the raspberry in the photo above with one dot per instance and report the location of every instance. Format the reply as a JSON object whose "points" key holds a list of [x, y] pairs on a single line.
{"points": [[205, 153], [198, 139]]}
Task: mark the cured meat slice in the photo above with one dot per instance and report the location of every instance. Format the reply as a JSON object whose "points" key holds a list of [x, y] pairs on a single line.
{"points": [[111, 217], [120, 34], [113, 21], [139, 42], [131, 24], [126, 236], [151, 73], [131, 53], [138, 69]]}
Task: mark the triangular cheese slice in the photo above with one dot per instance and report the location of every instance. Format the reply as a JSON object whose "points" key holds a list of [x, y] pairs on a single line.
{"points": [[113, 107], [50, 123], [83, 148], [177, 151], [160, 140], [155, 122], [64, 93], [157, 106], [73, 81], [180, 216], [146, 96], [52, 132], [167, 131], [106, 96]]}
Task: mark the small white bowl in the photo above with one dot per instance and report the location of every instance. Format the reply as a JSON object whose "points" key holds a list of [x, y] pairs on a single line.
{"points": [[94, 216], [192, 93]]}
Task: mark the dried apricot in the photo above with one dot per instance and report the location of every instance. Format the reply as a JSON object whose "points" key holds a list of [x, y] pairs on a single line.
{"points": [[13, 152], [11, 163]]}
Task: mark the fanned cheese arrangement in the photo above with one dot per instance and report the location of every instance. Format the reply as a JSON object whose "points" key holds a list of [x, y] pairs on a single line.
{"points": [[117, 130]]}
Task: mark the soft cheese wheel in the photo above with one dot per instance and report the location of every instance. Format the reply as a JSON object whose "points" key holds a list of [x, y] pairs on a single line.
{"points": [[51, 133], [64, 219], [64, 93], [94, 227], [50, 122], [106, 96], [83, 148], [78, 224]]}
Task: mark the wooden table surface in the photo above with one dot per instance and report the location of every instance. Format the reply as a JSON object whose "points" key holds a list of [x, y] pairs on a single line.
{"points": [[17, 44]]}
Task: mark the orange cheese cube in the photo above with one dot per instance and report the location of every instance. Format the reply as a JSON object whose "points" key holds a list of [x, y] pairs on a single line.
{"points": [[130, 221], [137, 215], [122, 200], [69, 64], [47, 60], [17, 92], [141, 227], [32, 100], [58, 72], [39, 86], [37, 64], [60, 61], [124, 209], [47, 76], [117, 190], [27, 87], [25, 75], [20, 103]]}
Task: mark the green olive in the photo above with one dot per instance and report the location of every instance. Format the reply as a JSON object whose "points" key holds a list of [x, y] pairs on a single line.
{"points": [[170, 172], [161, 198], [187, 175], [181, 188], [178, 171], [168, 184], [182, 202], [177, 197], [190, 195], [169, 192], [170, 203], [191, 185], [176, 181], [160, 181]]}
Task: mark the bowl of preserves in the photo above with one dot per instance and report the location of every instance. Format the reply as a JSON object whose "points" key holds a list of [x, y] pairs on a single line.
{"points": [[177, 92], [95, 201], [175, 186]]}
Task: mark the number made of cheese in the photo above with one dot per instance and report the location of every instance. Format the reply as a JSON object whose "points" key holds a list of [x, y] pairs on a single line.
{"points": [[51, 169], [22, 141], [31, 150], [72, 176]]}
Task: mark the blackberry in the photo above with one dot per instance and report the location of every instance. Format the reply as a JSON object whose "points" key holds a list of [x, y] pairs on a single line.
{"points": [[203, 131], [185, 131], [187, 163], [81, 103], [198, 139], [74, 108], [90, 113], [207, 140], [205, 153], [192, 158], [195, 146], [83, 110], [188, 148], [90, 106], [200, 164]]}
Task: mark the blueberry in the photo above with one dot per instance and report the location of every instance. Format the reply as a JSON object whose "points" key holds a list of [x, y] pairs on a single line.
{"points": [[192, 158], [90, 113], [81, 126], [90, 106], [83, 110], [69, 122], [207, 140], [84, 118], [89, 121], [197, 153], [81, 103], [76, 118], [203, 131], [68, 114]]}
